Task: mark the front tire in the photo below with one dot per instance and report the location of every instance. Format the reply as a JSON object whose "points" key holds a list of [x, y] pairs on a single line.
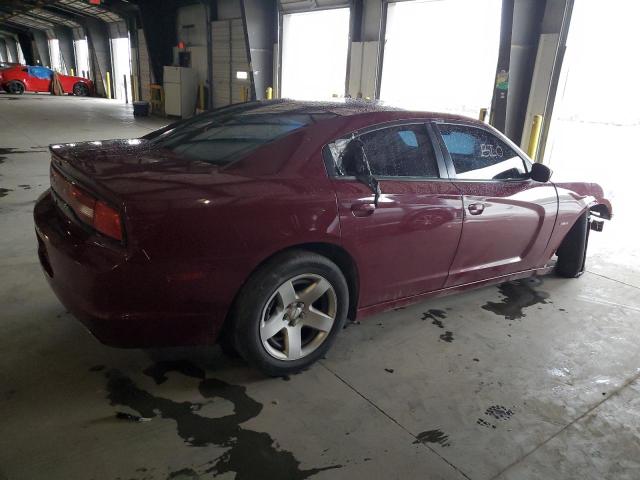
{"points": [[572, 253], [289, 312], [80, 90]]}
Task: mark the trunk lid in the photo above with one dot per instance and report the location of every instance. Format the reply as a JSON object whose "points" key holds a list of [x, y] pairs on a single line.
{"points": [[126, 170]]}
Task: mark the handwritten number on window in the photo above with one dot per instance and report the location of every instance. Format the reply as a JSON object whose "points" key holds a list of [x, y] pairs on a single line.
{"points": [[492, 151]]}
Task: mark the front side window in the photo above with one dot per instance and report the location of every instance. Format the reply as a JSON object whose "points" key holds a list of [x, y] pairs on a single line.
{"points": [[479, 155], [398, 151]]}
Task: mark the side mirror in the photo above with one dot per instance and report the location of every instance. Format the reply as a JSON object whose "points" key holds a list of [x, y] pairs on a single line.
{"points": [[540, 173]]}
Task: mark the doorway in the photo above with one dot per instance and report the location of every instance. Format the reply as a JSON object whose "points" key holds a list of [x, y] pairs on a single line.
{"points": [[596, 123], [440, 59], [81, 48], [315, 46], [55, 56], [121, 58]]}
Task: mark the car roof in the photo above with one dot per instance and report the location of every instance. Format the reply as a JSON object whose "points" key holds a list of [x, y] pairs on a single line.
{"points": [[348, 108]]}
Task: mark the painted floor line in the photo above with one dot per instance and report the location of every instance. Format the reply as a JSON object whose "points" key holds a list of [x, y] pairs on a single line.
{"points": [[393, 419], [613, 279], [601, 301], [570, 424]]}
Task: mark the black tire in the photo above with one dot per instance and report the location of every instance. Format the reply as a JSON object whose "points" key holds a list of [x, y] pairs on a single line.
{"points": [[258, 296], [573, 250], [80, 90], [227, 343], [15, 87]]}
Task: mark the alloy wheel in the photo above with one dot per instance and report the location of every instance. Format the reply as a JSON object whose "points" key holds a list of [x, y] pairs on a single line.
{"points": [[298, 317]]}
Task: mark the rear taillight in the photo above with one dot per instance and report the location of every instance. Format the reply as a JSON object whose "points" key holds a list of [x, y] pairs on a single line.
{"points": [[88, 209], [107, 220]]}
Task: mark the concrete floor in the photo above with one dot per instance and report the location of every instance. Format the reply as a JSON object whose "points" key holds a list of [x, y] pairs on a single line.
{"points": [[529, 380]]}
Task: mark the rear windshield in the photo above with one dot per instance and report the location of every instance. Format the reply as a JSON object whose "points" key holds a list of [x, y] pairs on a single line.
{"points": [[221, 136]]}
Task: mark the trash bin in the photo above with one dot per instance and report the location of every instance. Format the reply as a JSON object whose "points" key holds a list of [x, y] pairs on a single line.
{"points": [[140, 109]]}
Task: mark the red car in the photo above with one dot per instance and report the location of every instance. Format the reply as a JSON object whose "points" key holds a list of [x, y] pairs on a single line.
{"points": [[267, 224], [20, 79]]}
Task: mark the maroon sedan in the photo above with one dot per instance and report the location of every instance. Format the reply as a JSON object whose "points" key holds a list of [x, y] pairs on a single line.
{"points": [[267, 224]]}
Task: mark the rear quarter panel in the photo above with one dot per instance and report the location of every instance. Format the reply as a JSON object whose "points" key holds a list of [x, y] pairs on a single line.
{"points": [[205, 240], [68, 82]]}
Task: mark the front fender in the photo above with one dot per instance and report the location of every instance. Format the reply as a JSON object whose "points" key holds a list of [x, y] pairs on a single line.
{"points": [[587, 195]]}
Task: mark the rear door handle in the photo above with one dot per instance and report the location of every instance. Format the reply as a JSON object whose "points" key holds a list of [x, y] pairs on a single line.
{"points": [[476, 208], [363, 209]]}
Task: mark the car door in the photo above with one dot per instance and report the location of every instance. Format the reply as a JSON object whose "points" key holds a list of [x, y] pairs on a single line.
{"points": [[404, 246], [508, 218]]}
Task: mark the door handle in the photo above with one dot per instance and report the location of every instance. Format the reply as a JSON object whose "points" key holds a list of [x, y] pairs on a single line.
{"points": [[476, 208], [363, 209]]}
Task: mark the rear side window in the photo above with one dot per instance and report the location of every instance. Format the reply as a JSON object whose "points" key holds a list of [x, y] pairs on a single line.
{"points": [[479, 155], [221, 136], [398, 151]]}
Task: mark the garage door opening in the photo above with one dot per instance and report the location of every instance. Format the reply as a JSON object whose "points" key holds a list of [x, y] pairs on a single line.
{"points": [[438, 58], [596, 122], [314, 54], [81, 48], [55, 56], [121, 57]]}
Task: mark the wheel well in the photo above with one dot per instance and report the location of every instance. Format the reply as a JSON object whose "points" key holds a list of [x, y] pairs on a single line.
{"points": [[345, 263], [601, 210], [336, 254]]}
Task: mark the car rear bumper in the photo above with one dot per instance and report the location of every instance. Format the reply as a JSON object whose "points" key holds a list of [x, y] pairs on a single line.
{"points": [[123, 301]]}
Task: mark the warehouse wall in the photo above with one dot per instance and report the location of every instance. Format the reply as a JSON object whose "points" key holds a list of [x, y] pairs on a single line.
{"points": [[371, 15], [99, 52], [65, 40], [260, 22], [191, 28], [228, 9], [40, 40], [144, 67], [12, 48], [548, 63], [4, 53]]}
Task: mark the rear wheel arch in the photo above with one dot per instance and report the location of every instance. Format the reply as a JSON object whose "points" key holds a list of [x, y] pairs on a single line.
{"points": [[337, 254], [345, 262]]}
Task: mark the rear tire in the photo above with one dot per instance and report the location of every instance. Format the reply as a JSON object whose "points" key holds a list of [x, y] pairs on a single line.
{"points": [[289, 312], [80, 90], [573, 250], [16, 88]]}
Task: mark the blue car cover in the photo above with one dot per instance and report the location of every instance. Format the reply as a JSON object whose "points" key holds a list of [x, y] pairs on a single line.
{"points": [[40, 72]]}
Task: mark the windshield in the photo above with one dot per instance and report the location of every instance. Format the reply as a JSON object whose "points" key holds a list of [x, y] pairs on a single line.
{"points": [[222, 135]]}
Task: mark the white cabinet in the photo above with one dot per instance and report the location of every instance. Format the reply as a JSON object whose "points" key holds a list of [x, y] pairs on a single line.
{"points": [[180, 91]]}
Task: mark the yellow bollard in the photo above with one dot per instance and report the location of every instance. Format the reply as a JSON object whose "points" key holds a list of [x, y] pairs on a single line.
{"points": [[134, 88], [108, 85], [534, 139], [269, 93], [73, 73], [201, 97], [483, 115]]}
